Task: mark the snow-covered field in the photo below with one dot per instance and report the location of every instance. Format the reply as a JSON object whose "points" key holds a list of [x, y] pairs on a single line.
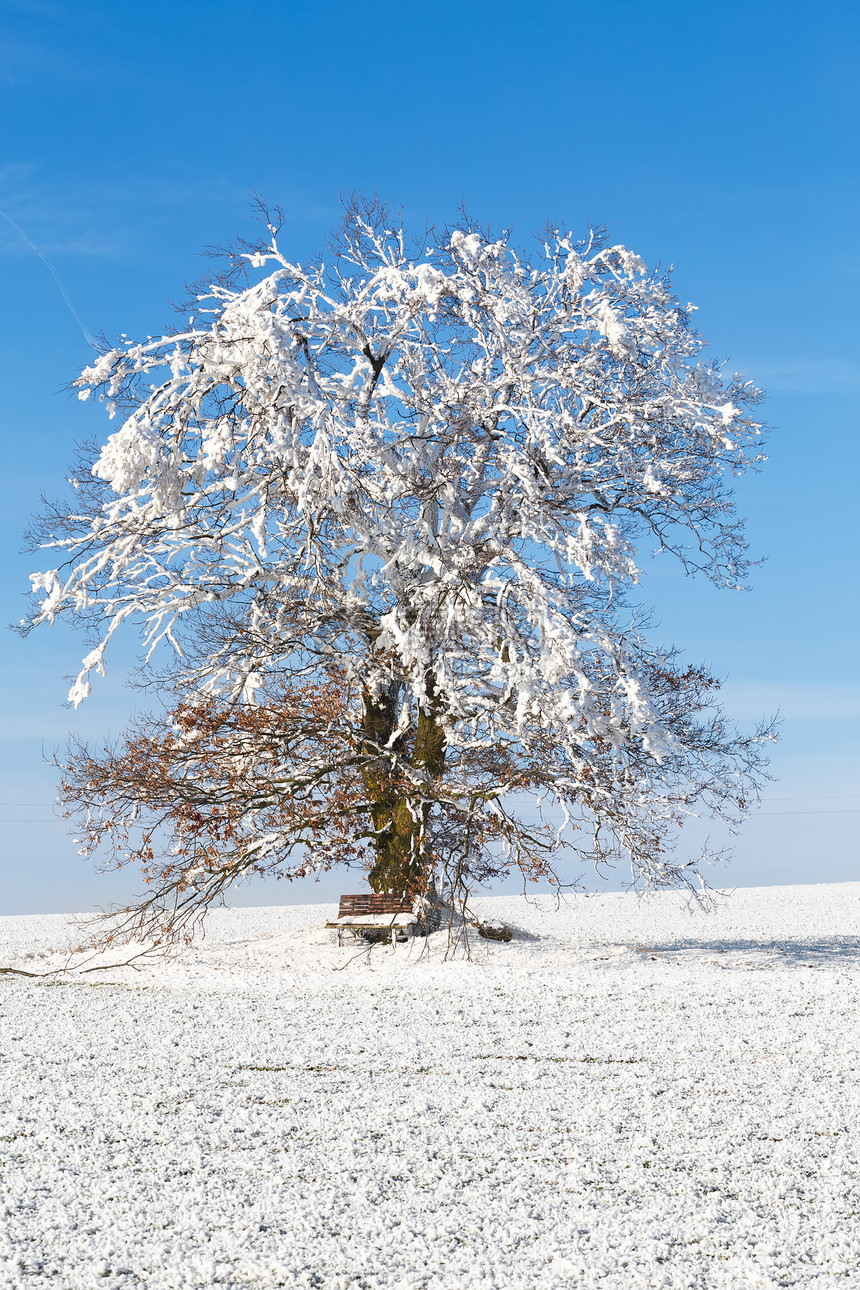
{"points": [[626, 1095]]}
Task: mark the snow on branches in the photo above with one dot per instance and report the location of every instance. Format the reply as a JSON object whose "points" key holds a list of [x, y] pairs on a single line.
{"points": [[431, 471]]}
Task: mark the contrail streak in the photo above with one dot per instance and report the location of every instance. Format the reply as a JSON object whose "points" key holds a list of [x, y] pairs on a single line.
{"points": [[63, 292]]}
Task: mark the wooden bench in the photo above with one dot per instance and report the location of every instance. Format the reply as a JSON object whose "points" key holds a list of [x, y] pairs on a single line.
{"points": [[372, 911]]}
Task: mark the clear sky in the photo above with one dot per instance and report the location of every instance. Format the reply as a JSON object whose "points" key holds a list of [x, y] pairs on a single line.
{"points": [[718, 138]]}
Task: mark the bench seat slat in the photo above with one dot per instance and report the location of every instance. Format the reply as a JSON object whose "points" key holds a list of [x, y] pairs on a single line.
{"points": [[374, 920]]}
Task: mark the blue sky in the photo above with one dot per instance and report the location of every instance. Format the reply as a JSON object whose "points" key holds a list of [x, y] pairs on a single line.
{"points": [[721, 139]]}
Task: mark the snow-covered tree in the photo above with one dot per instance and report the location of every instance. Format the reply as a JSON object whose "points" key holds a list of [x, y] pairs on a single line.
{"points": [[420, 474]]}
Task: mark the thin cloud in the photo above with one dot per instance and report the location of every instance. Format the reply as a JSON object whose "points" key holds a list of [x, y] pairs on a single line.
{"points": [[100, 220], [795, 701], [32, 8], [81, 244], [33, 42], [805, 375]]}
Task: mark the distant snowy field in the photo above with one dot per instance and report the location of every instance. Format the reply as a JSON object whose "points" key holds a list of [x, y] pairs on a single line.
{"points": [[627, 1095]]}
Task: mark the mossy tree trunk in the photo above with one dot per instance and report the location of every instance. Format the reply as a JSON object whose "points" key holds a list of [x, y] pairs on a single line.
{"points": [[398, 814]]}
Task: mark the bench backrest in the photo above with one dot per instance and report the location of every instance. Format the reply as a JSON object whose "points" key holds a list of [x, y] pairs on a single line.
{"points": [[372, 902]]}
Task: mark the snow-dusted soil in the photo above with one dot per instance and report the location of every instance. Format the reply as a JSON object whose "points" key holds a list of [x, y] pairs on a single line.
{"points": [[626, 1095]]}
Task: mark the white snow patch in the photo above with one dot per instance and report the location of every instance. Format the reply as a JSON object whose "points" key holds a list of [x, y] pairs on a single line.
{"points": [[626, 1095]]}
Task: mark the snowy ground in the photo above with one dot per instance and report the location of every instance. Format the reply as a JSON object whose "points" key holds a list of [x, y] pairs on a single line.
{"points": [[625, 1096]]}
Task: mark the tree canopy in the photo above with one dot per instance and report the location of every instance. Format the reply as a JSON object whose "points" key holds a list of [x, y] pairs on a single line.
{"points": [[379, 519]]}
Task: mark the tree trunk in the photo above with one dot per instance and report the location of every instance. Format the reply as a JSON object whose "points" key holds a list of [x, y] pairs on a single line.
{"points": [[398, 813]]}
